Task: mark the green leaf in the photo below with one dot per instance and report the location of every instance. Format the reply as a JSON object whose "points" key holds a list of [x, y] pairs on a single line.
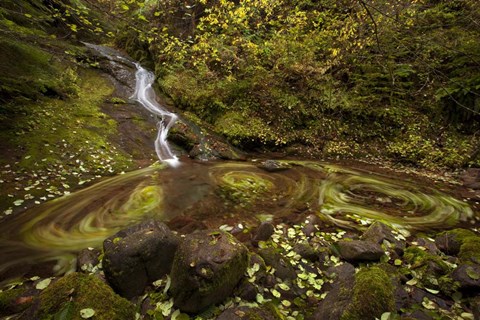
{"points": [[43, 284], [87, 313]]}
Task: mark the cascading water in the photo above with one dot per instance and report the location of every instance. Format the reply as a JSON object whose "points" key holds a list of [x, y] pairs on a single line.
{"points": [[145, 95]]}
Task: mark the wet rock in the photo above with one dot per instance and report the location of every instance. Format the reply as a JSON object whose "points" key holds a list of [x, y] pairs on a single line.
{"points": [[306, 251], [475, 306], [417, 315], [340, 295], [16, 300], [448, 243], [263, 233], [247, 313], [274, 166], [359, 250], [283, 268], [207, 267], [471, 178], [137, 256], [379, 232], [87, 259], [427, 244], [468, 275], [311, 225]]}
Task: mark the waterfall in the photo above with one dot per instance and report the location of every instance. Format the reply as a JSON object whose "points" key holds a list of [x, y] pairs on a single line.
{"points": [[145, 95]]}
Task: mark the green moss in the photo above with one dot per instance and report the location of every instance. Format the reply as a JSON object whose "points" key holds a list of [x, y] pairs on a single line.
{"points": [[241, 129], [469, 244], [372, 296], [470, 249], [78, 291]]}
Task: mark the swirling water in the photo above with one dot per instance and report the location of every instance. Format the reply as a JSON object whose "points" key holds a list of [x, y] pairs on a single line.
{"points": [[217, 192]]}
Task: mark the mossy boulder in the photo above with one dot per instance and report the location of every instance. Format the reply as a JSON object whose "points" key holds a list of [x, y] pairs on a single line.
{"points": [[138, 255], [11, 301], [373, 295], [207, 267], [66, 298], [449, 242], [429, 268]]}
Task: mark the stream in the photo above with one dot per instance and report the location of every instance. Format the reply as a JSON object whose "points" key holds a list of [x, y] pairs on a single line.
{"points": [[219, 194]]}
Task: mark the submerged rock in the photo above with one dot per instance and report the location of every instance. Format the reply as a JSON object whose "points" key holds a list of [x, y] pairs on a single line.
{"points": [[207, 267], [358, 250], [274, 165], [137, 256]]}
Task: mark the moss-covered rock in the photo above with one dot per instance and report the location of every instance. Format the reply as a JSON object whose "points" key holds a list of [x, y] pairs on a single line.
{"points": [[450, 241], [372, 296], [427, 267], [66, 298], [460, 242], [8, 301], [207, 267]]}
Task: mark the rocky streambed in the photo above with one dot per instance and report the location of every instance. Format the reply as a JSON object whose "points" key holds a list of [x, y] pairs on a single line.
{"points": [[308, 270]]}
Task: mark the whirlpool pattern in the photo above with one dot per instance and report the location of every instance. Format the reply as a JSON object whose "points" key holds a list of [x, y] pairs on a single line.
{"points": [[58, 229]]}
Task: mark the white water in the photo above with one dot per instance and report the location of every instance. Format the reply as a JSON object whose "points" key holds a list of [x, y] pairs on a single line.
{"points": [[145, 95]]}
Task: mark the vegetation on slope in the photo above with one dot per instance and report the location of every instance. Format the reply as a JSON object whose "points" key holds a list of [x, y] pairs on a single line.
{"points": [[322, 77]]}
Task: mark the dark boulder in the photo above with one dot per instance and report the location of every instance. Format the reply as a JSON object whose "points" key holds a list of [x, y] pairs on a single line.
{"points": [[468, 275], [137, 256], [339, 296], [358, 250], [379, 232], [207, 267], [283, 268], [87, 259], [471, 178], [263, 233]]}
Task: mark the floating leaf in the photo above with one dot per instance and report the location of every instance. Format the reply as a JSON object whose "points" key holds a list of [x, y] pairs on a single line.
{"points": [[87, 313], [18, 202]]}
